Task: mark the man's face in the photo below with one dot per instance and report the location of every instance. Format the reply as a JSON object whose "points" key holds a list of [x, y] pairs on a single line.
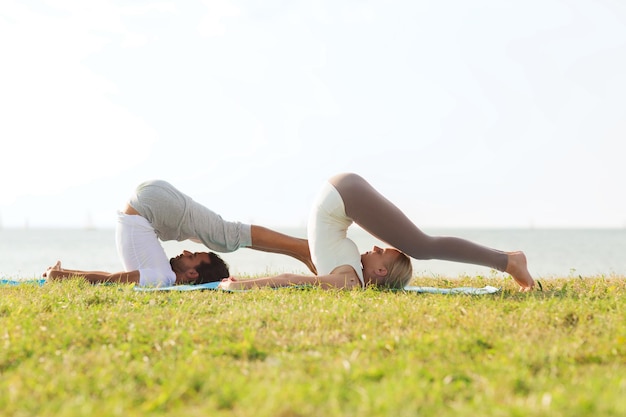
{"points": [[187, 260]]}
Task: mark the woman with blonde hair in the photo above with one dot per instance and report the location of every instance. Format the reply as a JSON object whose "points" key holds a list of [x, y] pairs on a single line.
{"points": [[347, 198]]}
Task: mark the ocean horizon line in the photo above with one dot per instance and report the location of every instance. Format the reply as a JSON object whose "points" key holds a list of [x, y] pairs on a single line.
{"points": [[354, 227]]}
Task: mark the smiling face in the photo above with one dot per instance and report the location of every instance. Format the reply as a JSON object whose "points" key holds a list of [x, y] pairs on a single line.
{"points": [[376, 264], [185, 264]]}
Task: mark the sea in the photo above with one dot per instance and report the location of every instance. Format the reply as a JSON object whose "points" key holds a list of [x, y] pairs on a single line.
{"points": [[552, 253]]}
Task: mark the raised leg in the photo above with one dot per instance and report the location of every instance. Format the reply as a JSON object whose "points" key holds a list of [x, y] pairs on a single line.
{"points": [[268, 240], [380, 217]]}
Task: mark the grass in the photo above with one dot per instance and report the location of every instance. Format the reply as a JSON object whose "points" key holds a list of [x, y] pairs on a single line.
{"points": [[71, 349]]}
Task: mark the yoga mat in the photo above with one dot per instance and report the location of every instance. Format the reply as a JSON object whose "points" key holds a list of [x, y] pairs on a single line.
{"points": [[213, 286], [208, 286], [459, 290], [22, 282], [430, 290]]}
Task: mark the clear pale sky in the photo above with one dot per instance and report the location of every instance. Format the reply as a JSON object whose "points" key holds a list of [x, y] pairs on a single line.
{"points": [[473, 114]]}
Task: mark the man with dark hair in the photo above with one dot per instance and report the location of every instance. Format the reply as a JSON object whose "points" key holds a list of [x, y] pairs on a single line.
{"points": [[199, 267], [213, 271], [157, 210]]}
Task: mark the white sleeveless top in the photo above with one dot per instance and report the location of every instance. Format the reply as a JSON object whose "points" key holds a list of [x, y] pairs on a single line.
{"points": [[327, 233]]}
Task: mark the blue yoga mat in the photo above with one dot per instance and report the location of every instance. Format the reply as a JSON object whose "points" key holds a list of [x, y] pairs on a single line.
{"points": [[213, 286], [430, 290], [459, 290], [208, 286], [22, 282]]}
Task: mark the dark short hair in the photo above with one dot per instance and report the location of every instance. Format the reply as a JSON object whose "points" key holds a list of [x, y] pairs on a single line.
{"points": [[212, 272]]}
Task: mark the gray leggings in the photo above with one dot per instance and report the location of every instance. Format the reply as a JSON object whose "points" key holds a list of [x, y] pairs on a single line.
{"points": [[380, 217]]}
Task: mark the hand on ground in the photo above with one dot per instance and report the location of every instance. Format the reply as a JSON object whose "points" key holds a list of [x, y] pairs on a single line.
{"points": [[55, 267]]}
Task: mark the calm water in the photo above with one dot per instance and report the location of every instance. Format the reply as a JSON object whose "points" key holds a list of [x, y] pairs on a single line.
{"points": [[551, 253]]}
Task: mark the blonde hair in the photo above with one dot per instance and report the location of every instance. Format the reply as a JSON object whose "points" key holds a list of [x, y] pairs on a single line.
{"points": [[399, 272]]}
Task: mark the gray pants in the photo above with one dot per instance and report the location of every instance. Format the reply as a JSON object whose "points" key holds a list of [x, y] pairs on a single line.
{"points": [[176, 216]]}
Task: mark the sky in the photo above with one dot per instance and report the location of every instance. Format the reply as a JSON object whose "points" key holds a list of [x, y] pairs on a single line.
{"points": [[465, 114]]}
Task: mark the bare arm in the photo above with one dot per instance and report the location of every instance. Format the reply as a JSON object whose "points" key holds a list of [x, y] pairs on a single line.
{"points": [[95, 277], [79, 272], [343, 277]]}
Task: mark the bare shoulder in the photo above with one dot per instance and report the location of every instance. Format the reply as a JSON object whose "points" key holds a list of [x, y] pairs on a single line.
{"points": [[343, 276], [344, 270]]}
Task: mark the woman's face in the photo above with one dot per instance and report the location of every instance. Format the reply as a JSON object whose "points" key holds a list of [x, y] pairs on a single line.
{"points": [[376, 261]]}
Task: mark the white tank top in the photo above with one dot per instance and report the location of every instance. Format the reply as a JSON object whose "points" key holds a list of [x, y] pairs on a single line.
{"points": [[327, 233]]}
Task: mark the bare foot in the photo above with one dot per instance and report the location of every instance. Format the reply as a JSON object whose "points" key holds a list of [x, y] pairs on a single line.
{"points": [[55, 267], [309, 263], [303, 254], [518, 269]]}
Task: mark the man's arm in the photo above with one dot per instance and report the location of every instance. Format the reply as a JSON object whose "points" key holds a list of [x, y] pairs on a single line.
{"points": [[95, 277]]}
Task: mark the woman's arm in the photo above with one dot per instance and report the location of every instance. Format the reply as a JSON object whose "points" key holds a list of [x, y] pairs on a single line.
{"points": [[343, 277]]}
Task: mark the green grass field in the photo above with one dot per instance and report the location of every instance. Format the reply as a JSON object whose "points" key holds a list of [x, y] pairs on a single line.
{"points": [[71, 349]]}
